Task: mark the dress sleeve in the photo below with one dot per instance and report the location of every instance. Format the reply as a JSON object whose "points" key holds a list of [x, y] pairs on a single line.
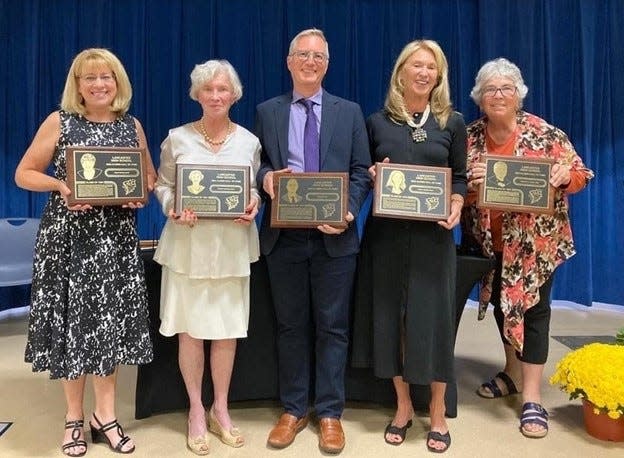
{"points": [[564, 153], [457, 153], [255, 167], [165, 184]]}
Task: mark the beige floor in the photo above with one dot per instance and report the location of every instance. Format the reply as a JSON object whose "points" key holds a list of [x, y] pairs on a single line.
{"points": [[483, 428]]}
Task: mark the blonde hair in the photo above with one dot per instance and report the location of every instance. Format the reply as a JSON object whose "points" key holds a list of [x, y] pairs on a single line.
{"points": [[440, 99], [203, 73], [73, 102]]}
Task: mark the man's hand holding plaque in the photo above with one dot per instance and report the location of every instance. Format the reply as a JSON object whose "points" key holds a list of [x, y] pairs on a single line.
{"points": [[411, 191], [310, 200], [516, 183]]}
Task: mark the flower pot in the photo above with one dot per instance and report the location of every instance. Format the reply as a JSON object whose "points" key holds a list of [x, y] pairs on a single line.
{"points": [[602, 426]]}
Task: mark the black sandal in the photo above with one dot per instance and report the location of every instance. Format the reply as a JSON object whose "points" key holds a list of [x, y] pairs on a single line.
{"points": [[399, 431], [495, 391], [76, 426], [534, 414], [439, 437], [99, 435]]}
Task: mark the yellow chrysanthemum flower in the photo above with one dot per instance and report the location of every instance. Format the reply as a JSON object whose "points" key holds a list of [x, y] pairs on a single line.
{"points": [[594, 372]]}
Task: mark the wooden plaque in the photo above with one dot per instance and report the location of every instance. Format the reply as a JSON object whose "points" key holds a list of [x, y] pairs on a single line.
{"points": [[212, 191], [518, 184], [106, 175], [412, 192], [308, 200]]}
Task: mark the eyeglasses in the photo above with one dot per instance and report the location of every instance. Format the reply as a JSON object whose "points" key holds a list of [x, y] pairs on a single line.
{"points": [[91, 79], [506, 91], [302, 56]]}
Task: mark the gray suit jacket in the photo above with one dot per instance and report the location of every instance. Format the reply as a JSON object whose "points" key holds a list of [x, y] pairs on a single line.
{"points": [[344, 148]]}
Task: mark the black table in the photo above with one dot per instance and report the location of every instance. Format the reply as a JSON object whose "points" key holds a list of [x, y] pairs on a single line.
{"points": [[160, 387]]}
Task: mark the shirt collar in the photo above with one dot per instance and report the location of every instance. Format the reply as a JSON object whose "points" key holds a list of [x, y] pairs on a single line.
{"points": [[316, 98]]}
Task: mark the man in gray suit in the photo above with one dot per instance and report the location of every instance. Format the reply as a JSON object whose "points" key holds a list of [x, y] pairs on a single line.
{"points": [[311, 270]]}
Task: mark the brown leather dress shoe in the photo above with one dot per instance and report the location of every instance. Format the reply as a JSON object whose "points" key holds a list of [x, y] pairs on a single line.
{"points": [[284, 432], [331, 437]]}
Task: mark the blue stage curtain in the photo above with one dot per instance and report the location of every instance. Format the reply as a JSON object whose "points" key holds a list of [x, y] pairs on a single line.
{"points": [[569, 52]]}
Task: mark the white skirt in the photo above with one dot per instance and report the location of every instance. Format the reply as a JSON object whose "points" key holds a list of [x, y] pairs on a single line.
{"points": [[209, 309]]}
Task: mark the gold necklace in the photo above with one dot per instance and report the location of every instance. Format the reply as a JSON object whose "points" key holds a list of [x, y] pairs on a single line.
{"points": [[209, 139]]}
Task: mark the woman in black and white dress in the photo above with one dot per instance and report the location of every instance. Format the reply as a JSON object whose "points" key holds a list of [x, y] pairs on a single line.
{"points": [[89, 304]]}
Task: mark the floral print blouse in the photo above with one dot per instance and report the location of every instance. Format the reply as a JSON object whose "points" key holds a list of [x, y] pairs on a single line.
{"points": [[533, 244]]}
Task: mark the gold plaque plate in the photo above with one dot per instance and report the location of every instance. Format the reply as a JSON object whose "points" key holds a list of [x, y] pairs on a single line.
{"points": [[105, 175], [412, 192], [307, 200], [518, 184], [212, 191]]}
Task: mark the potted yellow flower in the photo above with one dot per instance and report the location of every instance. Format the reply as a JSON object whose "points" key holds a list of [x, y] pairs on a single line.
{"points": [[595, 373]]}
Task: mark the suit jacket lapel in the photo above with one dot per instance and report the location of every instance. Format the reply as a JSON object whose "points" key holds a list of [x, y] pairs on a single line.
{"points": [[329, 119], [282, 117]]}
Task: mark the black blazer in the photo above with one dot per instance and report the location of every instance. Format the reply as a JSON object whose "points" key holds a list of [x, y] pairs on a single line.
{"points": [[344, 148]]}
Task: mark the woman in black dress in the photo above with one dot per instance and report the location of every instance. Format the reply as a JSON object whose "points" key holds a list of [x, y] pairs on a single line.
{"points": [[89, 304], [409, 265]]}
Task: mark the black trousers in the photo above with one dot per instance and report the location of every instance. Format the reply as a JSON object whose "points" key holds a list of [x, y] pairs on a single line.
{"points": [[311, 291], [536, 320]]}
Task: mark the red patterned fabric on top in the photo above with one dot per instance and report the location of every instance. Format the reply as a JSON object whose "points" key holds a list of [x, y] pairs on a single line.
{"points": [[533, 244]]}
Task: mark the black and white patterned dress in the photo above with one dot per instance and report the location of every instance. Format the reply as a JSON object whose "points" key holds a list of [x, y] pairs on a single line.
{"points": [[89, 303]]}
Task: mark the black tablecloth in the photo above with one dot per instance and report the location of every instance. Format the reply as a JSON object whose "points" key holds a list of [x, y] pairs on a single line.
{"points": [[160, 387]]}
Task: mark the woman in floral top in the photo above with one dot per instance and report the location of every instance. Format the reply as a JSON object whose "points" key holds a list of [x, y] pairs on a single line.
{"points": [[527, 247]]}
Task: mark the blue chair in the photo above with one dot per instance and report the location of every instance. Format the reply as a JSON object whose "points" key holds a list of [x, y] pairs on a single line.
{"points": [[17, 236]]}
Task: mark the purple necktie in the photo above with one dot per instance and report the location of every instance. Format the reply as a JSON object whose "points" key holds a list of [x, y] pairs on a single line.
{"points": [[310, 139]]}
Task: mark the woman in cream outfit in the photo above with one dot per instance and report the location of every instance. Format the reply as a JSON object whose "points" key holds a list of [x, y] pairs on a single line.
{"points": [[205, 263]]}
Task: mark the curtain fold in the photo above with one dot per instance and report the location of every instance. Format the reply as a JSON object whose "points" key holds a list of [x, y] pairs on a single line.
{"points": [[568, 50]]}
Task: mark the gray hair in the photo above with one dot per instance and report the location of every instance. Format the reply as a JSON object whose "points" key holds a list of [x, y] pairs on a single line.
{"points": [[498, 67], [309, 33], [203, 73]]}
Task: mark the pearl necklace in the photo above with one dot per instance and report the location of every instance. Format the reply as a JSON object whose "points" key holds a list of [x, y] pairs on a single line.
{"points": [[418, 133], [209, 139]]}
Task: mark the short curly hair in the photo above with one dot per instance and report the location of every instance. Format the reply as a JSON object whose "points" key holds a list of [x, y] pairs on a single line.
{"points": [[498, 67], [203, 73]]}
